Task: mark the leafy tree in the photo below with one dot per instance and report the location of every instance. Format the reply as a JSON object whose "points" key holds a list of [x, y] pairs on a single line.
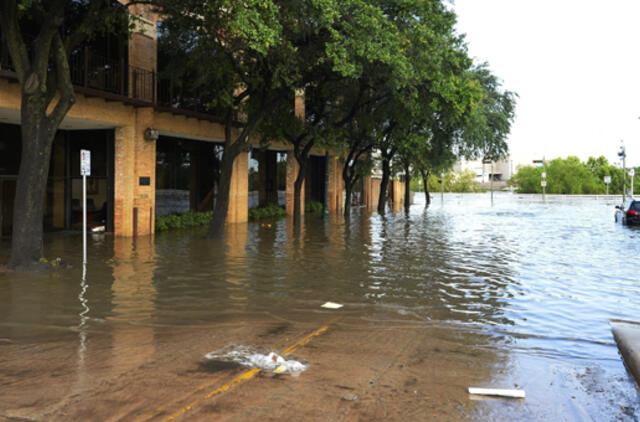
{"points": [[40, 37]]}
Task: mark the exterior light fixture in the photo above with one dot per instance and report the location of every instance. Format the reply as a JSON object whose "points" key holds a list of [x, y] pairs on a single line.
{"points": [[151, 134]]}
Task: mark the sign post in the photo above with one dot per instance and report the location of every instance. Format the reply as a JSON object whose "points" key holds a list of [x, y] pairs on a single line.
{"points": [[85, 170], [607, 181], [632, 173]]}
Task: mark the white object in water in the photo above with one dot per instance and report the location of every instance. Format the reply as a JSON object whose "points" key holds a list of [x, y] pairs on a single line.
{"points": [[253, 358], [519, 394], [332, 305], [98, 229]]}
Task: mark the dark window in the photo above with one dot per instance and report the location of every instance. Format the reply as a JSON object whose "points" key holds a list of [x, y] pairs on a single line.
{"points": [[10, 149]]}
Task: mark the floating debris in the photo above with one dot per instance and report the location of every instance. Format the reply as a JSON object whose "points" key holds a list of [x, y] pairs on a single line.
{"points": [[255, 357], [519, 394], [332, 305]]}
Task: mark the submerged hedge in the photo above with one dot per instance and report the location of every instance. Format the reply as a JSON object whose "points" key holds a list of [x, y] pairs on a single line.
{"points": [[189, 219], [196, 219], [269, 211]]}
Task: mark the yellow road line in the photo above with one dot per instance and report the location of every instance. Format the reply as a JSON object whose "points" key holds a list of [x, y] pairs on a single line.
{"points": [[244, 377]]}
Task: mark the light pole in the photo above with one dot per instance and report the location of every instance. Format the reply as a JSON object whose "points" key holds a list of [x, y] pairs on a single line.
{"points": [[623, 155], [442, 188]]}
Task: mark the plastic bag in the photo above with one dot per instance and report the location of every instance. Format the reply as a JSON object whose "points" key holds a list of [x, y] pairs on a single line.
{"points": [[255, 357]]}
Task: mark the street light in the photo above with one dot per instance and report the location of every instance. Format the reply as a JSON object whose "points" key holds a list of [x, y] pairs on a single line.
{"points": [[623, 156]]}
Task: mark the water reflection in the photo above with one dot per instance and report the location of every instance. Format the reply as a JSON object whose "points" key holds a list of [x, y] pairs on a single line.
{"points": [[133, 297]]}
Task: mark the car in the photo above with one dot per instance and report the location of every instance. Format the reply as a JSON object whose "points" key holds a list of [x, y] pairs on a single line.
{"points": [[629, 212]]}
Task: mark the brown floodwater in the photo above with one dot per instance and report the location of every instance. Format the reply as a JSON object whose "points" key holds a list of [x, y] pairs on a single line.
{"points": [[514, 295]]}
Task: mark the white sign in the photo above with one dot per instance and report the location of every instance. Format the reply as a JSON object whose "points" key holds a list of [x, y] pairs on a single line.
{"points": [[607, 179], [632, 172], [544, 174], [85, 162], [543, 183]]}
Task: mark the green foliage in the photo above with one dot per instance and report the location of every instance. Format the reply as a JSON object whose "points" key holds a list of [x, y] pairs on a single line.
{"points": [[571, 176], [270, 211], [460, 182], [313, 206], [189, 219]]}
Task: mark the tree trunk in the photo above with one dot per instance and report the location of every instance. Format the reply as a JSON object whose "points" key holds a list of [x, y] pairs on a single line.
{"points": [[407, 188], [384, 185], [427, 197], [37, 137], [216, 229], [347, 200]]}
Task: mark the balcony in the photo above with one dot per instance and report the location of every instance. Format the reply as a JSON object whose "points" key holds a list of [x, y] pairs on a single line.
{"points": [[94, 75]]}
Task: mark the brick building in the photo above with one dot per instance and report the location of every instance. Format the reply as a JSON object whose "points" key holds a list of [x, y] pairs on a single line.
{"points": [[135, 176]]}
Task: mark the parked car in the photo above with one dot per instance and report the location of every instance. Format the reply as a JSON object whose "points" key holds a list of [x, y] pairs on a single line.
{"points": [[629, 213]]}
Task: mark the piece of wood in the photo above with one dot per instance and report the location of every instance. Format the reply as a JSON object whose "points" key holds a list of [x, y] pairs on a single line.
{"points": [[519, 394]]}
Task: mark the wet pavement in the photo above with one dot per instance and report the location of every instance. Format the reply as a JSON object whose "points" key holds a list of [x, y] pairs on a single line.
{"points": [[518, 295]]}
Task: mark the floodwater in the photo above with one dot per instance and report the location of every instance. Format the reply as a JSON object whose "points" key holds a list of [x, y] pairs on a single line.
{"points": [[514, 295]]}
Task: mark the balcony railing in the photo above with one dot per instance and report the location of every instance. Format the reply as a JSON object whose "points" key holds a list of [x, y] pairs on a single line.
{"points": [[95, 75]]}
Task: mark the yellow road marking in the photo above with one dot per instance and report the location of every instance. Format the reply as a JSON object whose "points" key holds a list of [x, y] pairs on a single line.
{"points": [[244, 377]]}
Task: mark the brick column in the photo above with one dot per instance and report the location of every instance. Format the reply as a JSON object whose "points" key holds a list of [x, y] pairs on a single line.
{"points": [[134, 158], [238, 211], [145, 195], [292, 174], [124, 164], [336, 185]]}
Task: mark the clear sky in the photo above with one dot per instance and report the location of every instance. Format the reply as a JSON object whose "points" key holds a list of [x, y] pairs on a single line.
{"points": [[575, 65]]}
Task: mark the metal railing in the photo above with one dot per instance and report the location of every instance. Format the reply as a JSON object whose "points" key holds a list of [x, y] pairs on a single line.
{"points": [[98, 75]]}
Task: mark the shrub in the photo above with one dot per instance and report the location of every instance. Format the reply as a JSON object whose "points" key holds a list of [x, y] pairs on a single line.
{"points": [[269, 211], [189, 219], [313, 206]]}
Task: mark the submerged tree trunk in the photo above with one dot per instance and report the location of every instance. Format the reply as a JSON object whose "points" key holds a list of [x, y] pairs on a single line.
{"points": [[407, 188], [37, 138], [347, 200], [384, 186], [39, 86], [216, 229], [232, 148], [427, 196], [302, 157]]}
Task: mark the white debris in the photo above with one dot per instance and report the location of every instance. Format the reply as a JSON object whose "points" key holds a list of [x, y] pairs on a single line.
{"points": [[497, 392], [332, 305], [98, 229], [253, 357]]}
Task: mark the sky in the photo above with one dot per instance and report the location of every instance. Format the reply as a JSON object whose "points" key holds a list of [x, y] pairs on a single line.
{"points": [[575, 65]]}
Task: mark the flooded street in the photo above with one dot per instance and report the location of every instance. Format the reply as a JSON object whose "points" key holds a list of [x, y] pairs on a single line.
{"points": [[514, 295]]}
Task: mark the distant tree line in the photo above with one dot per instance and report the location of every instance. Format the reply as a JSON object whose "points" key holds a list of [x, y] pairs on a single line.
{"points": [[571, 176], [462, 181]]}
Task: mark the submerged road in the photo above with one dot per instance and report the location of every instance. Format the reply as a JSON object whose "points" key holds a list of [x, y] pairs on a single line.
{"points": [[518, 295]]}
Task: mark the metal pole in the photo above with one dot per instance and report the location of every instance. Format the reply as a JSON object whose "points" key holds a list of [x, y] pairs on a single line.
{"points": [[442, 188], [84, 218]]}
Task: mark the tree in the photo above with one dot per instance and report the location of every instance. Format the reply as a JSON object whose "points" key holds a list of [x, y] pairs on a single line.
{"points": [[40, 37]]}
